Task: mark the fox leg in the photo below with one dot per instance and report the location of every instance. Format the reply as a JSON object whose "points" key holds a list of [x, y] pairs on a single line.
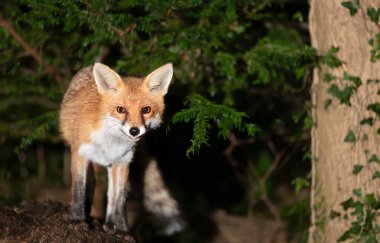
{"points": [[117, 196], [82, 185], [159, 201]]}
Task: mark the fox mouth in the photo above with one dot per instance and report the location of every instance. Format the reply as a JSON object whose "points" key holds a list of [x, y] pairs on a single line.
{"points": [[133, 139]]}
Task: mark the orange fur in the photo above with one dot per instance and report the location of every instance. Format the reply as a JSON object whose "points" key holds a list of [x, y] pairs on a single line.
{"points": [[97, 132], [83, 106]]}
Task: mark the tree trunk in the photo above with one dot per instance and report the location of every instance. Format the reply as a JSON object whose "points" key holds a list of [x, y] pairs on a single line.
{"points": [[333, 160]]}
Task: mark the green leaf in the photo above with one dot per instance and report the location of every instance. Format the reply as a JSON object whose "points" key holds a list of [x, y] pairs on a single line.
{"points": [[328, 77], [334, 214], [345, 236], [350, 137], [356, 80], [342, 95], [375, 107], [374, 158], [252, 129], [308, 122], [357, 192], [352, 6], [330, 58], [365, 137], [373, 14], [349, 203], [298, 16], [357, 169], [367, 121], [375, 44], [371, 200], [375, 81], [376, 175], [300, 183]]}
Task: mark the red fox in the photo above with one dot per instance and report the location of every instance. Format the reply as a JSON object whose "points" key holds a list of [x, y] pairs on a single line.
{"points": [[102, 118]]}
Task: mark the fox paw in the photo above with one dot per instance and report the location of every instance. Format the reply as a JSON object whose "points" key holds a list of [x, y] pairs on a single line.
{"points": [[79, 225], [109, 228], [125, 236]]}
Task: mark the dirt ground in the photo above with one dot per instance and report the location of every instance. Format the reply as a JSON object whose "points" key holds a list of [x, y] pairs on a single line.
{"points": [[48, 222]]}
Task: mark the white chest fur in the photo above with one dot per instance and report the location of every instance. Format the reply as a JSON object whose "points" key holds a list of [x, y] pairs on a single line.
{"points": [[109, 144]]}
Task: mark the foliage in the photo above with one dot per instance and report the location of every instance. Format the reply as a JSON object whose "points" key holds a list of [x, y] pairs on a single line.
{"points": [[239, 66], [364, 210], [352, 6], [360, 209], [85, 31], [202, 111], [299, 183]]}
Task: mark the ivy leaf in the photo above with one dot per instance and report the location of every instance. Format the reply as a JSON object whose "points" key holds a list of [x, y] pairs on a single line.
{"points": [[350, 137], [356, 80], [376, 175], [349, 203], [374, 158], [357, 169], [352, 6], [357, 192], [373, 14], [345, 236], [334, 214], [300, 183], [342, 95], [328, 77], [367, 121], [330, 58], [375, 107], [370, 199], [375, 81]]}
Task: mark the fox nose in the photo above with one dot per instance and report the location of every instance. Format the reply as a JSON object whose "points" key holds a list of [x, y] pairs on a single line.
{"points": [[134, 131]]}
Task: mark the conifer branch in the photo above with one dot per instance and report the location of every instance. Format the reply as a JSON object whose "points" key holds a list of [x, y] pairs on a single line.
{"points": [[48, 69], [7, 25]]}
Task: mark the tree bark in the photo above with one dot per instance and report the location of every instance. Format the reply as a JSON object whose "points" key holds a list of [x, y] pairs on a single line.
{"points": [[333, 159]]}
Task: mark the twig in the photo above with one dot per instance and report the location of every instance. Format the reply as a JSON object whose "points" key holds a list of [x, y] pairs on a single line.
{"points": [[7, 25], [48, 69], [262, 184], [278, 157], [245, 175]]}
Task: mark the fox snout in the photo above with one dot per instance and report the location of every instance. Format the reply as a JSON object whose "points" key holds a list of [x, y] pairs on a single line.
{"points": [[134, 131]]}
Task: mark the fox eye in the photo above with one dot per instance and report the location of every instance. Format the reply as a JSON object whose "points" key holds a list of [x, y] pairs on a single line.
{"points": [[120, 109], [146, 109]]}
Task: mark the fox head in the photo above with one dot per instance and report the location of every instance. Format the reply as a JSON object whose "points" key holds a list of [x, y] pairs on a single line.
{"points": [[131, 106]]}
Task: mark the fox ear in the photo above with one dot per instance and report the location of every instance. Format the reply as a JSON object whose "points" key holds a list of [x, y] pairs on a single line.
{"points": [[106, 79], [158, 81]]}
